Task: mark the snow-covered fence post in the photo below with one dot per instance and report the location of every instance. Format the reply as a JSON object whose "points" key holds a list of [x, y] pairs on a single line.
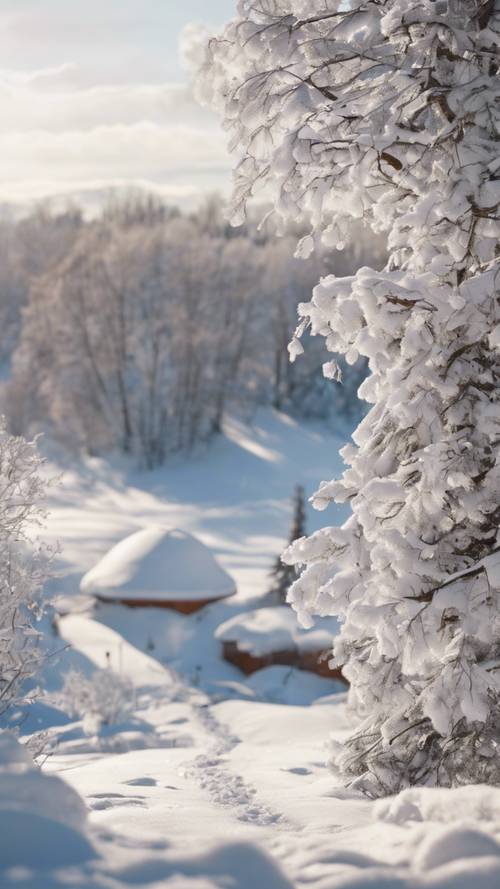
{"points": [[388, 111]]}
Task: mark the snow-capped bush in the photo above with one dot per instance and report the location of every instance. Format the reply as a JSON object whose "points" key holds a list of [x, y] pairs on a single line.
{"points": [[105, 698], [23, 564], [387, 111]]}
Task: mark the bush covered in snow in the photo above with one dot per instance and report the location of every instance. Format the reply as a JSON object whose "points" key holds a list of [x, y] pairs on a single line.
{"points": [[103, 699], [23, 563], [387, 111]]}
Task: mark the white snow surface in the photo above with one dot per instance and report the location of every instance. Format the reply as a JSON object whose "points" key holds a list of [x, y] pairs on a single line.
{"points": [[216, 781], [265, 630], [159, 564]]}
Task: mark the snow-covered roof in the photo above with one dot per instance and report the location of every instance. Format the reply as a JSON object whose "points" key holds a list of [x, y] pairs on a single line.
{"points": [[271, 629], [159, 563]]}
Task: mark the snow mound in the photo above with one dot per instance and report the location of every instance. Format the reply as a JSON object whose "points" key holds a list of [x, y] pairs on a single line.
{"points": [[476, 802], [25, 788], [41, 817], [287, 685], [271, 629], [159, 563], [455, 844], [31, 840], [242, 865]]}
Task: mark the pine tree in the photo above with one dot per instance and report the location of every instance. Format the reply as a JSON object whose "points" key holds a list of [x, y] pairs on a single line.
{"points": [[388, 110], [284, 575]]}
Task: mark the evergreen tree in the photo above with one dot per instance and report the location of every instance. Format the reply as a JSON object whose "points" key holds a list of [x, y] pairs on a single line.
{"points": [[284, 575], [388, 110]]}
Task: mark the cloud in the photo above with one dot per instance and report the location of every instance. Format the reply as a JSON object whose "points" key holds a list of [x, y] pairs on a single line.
{"points": [[58, 139], [22, 107], [38, 76], [93, 192], [86, 123], [179, 159], [118, 149]]}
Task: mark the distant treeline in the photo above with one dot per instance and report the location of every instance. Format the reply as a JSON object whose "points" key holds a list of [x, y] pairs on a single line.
{"points": [[141, 329]]}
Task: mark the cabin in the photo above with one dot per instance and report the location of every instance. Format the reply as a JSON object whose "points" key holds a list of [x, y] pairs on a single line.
{"points": [[268, 636], [159, 567]]}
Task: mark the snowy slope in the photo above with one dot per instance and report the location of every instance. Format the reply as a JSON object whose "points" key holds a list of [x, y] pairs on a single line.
{"points": [[234, 496], [217, 782]]}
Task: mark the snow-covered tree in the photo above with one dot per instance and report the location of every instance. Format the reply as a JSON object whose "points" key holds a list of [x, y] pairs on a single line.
{"points": [[388, 111], [284, 575], [139, 336], [147, 326], [23, 562]]}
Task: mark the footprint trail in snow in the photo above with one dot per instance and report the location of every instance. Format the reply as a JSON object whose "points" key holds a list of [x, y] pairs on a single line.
{"points": [[224, 786]]}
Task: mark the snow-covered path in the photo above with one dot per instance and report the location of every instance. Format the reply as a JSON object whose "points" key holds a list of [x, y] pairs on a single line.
{"points": [[247, 771], [190, 722]]}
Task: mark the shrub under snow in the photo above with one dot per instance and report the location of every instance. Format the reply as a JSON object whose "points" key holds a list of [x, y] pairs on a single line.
{"points": [[105, 698]]}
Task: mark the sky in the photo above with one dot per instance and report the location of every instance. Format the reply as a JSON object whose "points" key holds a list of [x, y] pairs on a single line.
{"points": [[94, 95]]}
